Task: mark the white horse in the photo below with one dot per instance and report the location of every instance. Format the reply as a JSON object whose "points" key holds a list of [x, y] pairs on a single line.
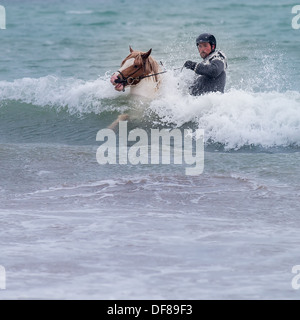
{"points": [[141, 73]]}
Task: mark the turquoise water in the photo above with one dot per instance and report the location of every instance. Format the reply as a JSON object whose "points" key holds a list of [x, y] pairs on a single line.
{"points": [[72, 228], [85, 40]]}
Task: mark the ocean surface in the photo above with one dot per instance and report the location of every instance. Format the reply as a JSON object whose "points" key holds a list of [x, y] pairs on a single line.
{"points": [[74, 229]]}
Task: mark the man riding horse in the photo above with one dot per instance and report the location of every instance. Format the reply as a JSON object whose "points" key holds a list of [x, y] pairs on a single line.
{"points": [[211, 74]]}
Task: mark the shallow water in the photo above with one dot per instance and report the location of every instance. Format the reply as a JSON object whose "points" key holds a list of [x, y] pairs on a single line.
{"points": [[75, 229]]}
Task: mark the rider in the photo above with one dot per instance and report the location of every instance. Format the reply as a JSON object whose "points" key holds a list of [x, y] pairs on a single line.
{"points": [[211, 71]]}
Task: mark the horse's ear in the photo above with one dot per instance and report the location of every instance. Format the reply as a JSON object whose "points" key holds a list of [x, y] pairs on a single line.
{"points": [[131, 50], [146, 54]]}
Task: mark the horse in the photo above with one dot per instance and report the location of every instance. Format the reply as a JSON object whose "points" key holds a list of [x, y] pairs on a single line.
{"points": [[141, 73]]}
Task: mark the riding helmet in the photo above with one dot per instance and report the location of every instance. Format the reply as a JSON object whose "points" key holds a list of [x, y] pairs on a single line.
{"points": [[206, 37]]}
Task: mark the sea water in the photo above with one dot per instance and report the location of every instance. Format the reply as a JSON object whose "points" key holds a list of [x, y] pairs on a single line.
{"points": [[74, 229]]}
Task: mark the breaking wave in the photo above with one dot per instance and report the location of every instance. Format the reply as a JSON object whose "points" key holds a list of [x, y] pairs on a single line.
{"points": [[235, 119]]}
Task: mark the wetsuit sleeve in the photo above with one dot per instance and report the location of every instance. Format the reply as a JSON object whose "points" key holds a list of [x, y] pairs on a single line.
{"points": [[212, 70]]}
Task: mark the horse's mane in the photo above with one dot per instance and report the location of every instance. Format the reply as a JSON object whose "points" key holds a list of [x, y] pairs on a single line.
{"points": [[151, 66]]}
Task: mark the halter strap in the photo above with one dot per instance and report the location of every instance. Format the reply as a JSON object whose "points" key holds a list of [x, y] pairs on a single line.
{"points": [[125, 79]]}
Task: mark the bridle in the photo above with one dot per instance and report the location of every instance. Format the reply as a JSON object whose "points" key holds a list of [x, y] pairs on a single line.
{"points": [[129, 80]]}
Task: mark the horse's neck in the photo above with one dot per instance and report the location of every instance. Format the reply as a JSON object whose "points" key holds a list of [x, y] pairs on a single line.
{"points": [[147, 87]]}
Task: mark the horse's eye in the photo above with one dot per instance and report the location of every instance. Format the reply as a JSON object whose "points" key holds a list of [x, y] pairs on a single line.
{"points": [[135, 66]]}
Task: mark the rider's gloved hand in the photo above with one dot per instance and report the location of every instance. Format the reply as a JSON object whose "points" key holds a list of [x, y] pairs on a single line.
{"points": [[190, 64]]}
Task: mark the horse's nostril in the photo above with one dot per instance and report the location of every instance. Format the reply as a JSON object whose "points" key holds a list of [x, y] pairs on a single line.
{"points": [[113, 78], [118, 80]]}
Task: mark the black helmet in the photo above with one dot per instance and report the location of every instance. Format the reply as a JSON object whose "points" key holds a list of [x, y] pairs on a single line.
{"points": [[207, 37]]}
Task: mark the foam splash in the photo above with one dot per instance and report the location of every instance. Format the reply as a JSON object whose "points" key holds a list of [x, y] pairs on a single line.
{"points": [[234, 119], [78, 96]]}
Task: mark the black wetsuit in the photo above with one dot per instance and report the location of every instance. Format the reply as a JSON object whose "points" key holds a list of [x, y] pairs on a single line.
{"points": [[212, 74]]}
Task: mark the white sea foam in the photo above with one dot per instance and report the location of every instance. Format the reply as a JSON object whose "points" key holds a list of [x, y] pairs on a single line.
{"points": [[77, 95], [235, 118]]}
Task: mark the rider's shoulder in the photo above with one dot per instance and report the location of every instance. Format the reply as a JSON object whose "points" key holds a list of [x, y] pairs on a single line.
{"points": [[219, 55]]}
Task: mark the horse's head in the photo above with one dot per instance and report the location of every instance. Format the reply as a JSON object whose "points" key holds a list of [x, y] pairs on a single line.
{"points": [[133, 67]]}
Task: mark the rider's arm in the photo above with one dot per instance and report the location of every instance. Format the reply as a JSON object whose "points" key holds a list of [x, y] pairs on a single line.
{"points": [[212, 70]]}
